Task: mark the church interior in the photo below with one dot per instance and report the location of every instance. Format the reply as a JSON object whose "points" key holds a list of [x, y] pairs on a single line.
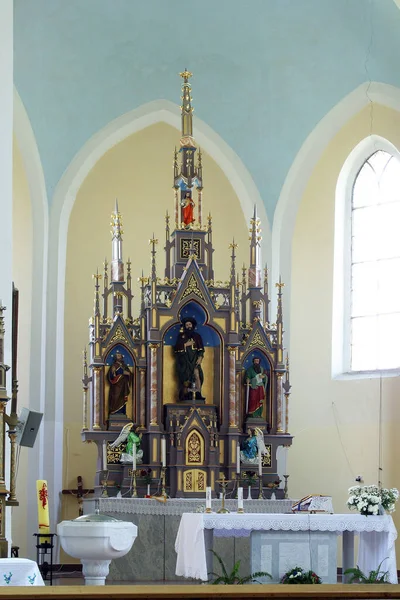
{"points": [[187, 299]]}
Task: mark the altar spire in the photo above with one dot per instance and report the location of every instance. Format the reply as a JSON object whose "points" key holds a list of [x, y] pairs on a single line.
{"points": [[117, 265], [186, 106]]}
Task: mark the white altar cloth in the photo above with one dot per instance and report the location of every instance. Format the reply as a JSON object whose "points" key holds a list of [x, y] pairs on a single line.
{"points": [[19, 571], [377, 537]]}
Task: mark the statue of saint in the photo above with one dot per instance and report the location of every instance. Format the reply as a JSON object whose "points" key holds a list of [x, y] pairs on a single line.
{"points": [[189, 350], [119, 377], [187, 204], [129, 435], [251, 445], [256, 379]]}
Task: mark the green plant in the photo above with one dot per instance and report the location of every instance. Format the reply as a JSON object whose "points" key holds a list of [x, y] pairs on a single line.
{"points": [[376, 576], [233, 577], [298, 575], [249, 477]]}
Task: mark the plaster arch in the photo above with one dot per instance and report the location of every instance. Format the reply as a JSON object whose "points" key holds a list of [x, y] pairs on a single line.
{"points": [[303, 166], [63, 202], [40, 463]]}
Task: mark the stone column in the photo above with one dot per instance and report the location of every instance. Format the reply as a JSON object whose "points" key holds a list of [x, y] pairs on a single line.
{"points": [[153, 384]]}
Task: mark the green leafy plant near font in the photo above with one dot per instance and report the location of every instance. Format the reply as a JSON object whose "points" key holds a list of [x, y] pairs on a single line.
{"points": [[233, 577]]}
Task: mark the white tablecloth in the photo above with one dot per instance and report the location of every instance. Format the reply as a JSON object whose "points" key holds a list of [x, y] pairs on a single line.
{"points": [[19, 571], [377, 536]]}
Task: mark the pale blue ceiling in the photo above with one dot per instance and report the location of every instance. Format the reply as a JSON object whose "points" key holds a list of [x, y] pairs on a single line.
{"points": [[266, 71]]}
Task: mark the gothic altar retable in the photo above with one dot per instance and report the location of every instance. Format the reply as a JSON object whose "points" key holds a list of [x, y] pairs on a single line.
{"points": [[198, 367]]}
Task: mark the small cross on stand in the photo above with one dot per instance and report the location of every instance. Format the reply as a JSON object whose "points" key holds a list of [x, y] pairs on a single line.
{"points": [[223, 483], [80, 493]]}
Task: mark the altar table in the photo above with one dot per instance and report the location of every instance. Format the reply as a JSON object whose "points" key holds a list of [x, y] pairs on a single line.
{"points": [[19, 571], [196, 531]]}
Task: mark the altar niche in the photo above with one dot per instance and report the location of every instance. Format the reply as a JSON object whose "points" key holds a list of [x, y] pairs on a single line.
{"points": [[180, 366]]}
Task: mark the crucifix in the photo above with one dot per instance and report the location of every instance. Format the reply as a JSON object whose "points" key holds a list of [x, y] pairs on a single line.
{"points": [[80, 493]]}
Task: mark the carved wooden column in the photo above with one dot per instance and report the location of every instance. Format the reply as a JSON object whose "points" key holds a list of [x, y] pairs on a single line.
{"points": [[279, 400], [232, 387], [142, 397], [153, 384]]}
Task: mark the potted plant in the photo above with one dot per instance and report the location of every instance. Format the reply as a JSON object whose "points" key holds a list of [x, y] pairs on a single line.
{"points": [[250, 479], [371, 499], [377, 576], [233, 577], [297, 575], [146, 474]]}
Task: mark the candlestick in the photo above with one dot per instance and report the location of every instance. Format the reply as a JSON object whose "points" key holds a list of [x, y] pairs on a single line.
{"points": [[163, 452], [104, 493], [43, 510], [134, 457], [240, 500], [208, 500], [260, 488], [259, 463], [285, 494], [104, 460], [163, 490], [238, 459]]}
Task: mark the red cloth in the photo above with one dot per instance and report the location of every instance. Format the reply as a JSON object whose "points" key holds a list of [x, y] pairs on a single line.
{"points": [[256, 398], [187, 212]]}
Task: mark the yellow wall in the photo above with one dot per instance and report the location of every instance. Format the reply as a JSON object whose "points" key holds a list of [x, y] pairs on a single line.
{"points": [[22, 276], [138, 171], [335, 423]]}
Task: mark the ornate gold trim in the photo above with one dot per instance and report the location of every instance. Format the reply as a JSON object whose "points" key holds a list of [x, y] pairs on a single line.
{"points": [[192, 288]]}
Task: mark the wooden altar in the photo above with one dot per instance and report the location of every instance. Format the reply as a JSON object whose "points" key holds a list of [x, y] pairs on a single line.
{"points": [[133, 371]]}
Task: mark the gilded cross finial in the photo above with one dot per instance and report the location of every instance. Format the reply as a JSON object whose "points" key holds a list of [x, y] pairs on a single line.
{"points": [[153, 241], [233, 245], [97, 276], [280, 285], [186, 75]]}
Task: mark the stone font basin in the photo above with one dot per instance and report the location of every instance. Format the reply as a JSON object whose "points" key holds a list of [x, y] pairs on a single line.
{"points": [[96, 539]]}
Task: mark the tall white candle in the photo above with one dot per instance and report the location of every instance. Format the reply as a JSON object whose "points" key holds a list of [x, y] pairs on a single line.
{"points": [[237, 458], [240, 498], [163, 452], [259, 463], [134, 457], [104, 461], [208, 497]]}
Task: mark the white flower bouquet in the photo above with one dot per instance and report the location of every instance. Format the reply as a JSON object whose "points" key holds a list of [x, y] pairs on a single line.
{"points": [[370, 498]]}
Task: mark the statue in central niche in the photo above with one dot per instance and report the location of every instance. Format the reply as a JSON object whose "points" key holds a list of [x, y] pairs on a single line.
{"points": [[189, 351]]}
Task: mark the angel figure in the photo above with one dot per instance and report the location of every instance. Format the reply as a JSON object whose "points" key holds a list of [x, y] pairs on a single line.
{"points": [[251, 446], [131, 438]]}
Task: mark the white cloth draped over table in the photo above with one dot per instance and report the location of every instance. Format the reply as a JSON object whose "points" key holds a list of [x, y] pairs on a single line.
{"points": [[19, 571], [377, 536]]}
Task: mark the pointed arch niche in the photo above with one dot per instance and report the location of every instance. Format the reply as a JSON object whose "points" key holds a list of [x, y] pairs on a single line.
{"points": [[328, 414], [137, 171]]}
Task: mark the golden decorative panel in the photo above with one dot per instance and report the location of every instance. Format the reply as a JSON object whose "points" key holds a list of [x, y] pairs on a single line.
{"points": [[189, 246], [194, 448], [194, 480], [221, 322], [192, 288], [163, 320], [257, 341], [266, 460], [118, 335], [221, 451]]}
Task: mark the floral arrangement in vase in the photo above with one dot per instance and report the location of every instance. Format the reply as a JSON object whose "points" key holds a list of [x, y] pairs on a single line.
{"points": [[372, 500], [146, 474], [298, 575]]}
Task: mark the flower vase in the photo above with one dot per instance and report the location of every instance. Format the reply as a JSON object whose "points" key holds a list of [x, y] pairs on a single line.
{"points": [[249, 492], [148, 490], [381, 510]]}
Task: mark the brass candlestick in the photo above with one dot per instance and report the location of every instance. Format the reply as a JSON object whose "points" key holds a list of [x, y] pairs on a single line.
{"points": [[133, 484], [163, 491], [223, 483], [104, 493], [285, 489], [260, 488]]}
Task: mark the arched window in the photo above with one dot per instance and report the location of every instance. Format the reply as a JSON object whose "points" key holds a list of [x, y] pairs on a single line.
{"points": [[374, 311]]}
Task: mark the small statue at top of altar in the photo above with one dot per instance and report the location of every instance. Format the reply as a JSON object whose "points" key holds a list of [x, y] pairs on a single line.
{"points": [[187, 204], [129, 435], [251, 445], [119, 378]]}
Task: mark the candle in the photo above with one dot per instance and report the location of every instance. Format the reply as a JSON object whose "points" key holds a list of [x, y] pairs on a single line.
{"points": [[238, 459], [134, 457], [104, 465], [43, 509], [163, 452], [240, 498], [259, 463], [208, 498]]}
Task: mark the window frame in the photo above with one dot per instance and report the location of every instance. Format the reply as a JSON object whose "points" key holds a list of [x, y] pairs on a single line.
{"points": [[341, 309]]}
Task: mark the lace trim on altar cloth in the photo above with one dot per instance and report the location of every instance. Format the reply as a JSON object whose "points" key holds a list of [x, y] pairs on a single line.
{"points": [[177, 506]]}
